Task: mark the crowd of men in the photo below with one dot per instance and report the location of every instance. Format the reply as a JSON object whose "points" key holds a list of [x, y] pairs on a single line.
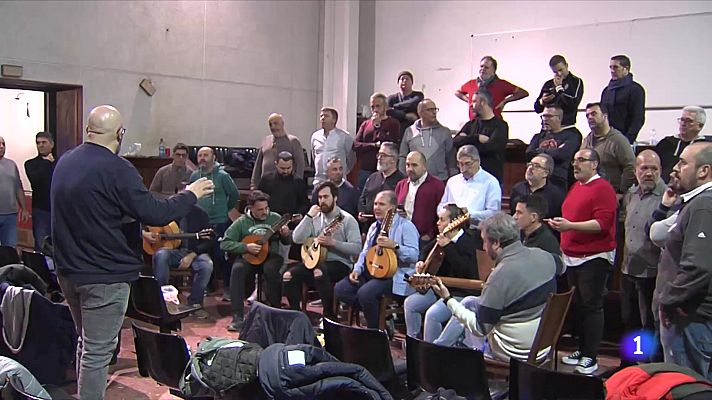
{"points": [[578, 196]]}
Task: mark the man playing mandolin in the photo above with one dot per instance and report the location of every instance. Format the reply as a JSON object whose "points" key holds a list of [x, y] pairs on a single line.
{"points": [[341, 240], [451, 254], [360, 286], [258, 220]]}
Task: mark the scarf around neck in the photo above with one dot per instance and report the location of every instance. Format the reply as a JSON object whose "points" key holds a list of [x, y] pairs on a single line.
{"points": [[619, 83]]}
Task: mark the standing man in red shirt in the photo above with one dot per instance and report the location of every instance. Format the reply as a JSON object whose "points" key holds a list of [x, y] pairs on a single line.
{"points": [[588, 241], [502, 91]]}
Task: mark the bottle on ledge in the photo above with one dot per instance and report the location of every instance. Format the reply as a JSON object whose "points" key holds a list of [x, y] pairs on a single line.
{"points": [[161, 149]]}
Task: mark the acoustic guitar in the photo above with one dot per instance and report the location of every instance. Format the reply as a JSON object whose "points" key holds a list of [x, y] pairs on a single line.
{"points": [[423, 282], [436, 256], [314, 254], [263, 240], [382, 263], [169, 237]]}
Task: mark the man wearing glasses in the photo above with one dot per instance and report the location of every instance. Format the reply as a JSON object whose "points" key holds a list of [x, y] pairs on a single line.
{"points": [[537, 181], [172, 178], [560, 142], [669, 149], [385, 178], [588, 241]]}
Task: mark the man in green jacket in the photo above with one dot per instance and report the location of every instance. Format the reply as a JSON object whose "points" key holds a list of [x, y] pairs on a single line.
{"points": [[257, 220]]}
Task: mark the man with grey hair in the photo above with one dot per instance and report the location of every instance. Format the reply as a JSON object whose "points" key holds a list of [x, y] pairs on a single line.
{"points": [[686, 299], [386, 177], [473, 188], [508, 312], [539, 168], [690, 124]]}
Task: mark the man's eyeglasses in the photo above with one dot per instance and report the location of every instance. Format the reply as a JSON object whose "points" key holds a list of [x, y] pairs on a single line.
{"points": [[686, 121], [535, 165], [547, 116], [466, 164], [580, 160], [434, 109], [383, 155], [180, 155]]}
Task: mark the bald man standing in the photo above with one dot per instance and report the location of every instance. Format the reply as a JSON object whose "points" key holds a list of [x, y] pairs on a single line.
{"points": [[92, 190], [12, 198], [640, 255], [271, 146]]}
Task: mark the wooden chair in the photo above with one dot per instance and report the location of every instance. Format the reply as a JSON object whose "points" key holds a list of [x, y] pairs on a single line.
{"points": [[149, 306], [527, 381], [485, 264], [547, 334], [431, 366], [385, 308]]}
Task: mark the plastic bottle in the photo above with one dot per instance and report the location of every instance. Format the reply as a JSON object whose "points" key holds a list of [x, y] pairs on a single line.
{"points": [[161, 149]]}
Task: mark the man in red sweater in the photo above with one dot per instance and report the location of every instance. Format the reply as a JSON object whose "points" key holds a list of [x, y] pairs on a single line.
{"points": [[588, 242]]}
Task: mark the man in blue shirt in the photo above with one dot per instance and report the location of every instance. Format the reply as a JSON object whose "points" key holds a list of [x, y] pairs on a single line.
{"points": [[362, 288]]}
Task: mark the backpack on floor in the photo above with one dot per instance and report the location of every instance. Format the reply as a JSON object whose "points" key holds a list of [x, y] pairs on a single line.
{"points": [[219, 365], [657, 381]]}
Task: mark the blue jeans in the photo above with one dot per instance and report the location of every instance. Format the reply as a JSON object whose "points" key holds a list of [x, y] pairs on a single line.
{"points": [[202, 266], [41, 226], [367, 293], [455, 331], [98, 313], [8, 230], [436, 314], [687, 342]]}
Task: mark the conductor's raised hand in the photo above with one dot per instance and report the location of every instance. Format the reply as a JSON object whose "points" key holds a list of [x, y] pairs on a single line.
{"points": [[201, 188]]}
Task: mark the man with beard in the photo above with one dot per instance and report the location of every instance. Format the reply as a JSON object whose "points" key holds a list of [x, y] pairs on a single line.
{"points": [[359, 287], [342, 244], [624, 99], [348, 195], [172, 178], [502, 91], [257, 220], [588, 241], [272, 145], [39, 171], [223, 199], [690, 124], [564, 89], [488, 132], [686, 298], [559, 142], [536, 180], [386, 177], [419, 195], [617, 158], [640, 255], [92, 191], [403, 105], [287, 192]]}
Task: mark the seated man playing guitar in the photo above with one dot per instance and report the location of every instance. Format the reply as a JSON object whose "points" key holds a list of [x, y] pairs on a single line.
{"points": [[325, 226], [248, 237], [454, 252], [193, 253], [360, 286]]}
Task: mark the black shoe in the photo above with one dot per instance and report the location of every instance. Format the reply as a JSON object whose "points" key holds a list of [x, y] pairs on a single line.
{"points": [[236, 323]]}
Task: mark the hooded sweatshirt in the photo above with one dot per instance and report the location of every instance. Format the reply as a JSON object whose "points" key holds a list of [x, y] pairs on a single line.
{"points": [[224, 197], [435, 142]]}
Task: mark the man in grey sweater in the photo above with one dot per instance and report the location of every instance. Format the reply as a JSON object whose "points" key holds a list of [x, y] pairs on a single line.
{"points": [[430, 138]]}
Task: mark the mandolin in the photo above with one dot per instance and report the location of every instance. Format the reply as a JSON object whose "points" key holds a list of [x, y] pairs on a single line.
{"points": [[314, 254], [263, 240], [169, 237], [381, 262], [436, 256], [423, 282]]}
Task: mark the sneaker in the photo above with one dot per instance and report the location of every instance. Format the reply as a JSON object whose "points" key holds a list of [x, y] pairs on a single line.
{"points": [[236, 324], [572, 359], [586, 366], [200, 314]]}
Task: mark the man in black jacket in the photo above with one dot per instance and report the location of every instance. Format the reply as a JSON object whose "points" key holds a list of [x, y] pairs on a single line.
{"points": [[564, 89], [624, 99], [529, 212], [93, 189], [287, 192], [39, 171], [403, 105], [193, 253]]}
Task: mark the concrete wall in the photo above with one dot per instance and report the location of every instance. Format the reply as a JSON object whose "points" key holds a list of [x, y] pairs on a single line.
{"points": [[219, 67]]}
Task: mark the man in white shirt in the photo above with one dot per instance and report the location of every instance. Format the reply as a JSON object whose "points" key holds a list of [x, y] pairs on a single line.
{"points": [[330, 142]]}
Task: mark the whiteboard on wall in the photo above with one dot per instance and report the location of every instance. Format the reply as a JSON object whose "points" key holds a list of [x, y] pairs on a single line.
{"points": [[673, 68]]}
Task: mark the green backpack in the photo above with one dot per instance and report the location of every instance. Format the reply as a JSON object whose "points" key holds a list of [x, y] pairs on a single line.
{"points": [[219, 365]]}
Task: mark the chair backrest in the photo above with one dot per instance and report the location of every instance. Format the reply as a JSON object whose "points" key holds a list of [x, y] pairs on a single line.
{"points": [[431, 366], [485, 264], [147, 298], [369, 348], [8, 255], [36, 261], [161, 356], [528, 381], [552, 321]]}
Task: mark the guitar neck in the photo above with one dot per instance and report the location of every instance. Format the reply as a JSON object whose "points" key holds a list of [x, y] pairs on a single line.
{"points": [[178, 236], [462, 283]]}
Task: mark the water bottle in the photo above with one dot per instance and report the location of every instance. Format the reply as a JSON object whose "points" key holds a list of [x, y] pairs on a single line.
{"points": [[161, 149]]}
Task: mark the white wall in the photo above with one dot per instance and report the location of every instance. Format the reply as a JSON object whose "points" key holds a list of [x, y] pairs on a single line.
{"points": [[18, 128], [220, 68], [442, 42]]}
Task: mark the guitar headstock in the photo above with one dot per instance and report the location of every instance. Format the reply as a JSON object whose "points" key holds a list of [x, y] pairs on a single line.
{"points": [[421, 282], [457, 223], [388, 221]]}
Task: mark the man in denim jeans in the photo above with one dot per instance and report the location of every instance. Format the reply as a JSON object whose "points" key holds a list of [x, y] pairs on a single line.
{"points": [[93, 189], [686, 300]]}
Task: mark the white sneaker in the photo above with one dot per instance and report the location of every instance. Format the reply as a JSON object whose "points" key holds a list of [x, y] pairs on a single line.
{"points": [[572, 359], [586, 366]]}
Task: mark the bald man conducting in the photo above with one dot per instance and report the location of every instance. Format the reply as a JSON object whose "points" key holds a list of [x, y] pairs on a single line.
{"points": [[278, 141], [640, 255], [93, 189]]}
